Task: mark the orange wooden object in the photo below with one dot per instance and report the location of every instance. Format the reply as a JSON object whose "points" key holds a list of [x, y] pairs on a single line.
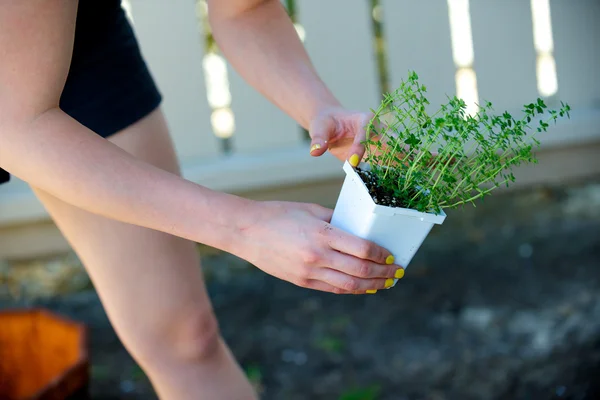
{"points": [[42, 356]]}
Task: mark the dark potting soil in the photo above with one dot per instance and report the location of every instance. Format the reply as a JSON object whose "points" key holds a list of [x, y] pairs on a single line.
{"points": [[379, 194]]}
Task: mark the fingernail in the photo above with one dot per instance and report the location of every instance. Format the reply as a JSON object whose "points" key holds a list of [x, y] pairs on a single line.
{"points": [[389, 283], [399, 273], [389, 260], [314, 147], [372, 291], [354, 160]]}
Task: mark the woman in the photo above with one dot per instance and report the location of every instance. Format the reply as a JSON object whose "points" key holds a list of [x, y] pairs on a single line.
{"points": [[80, 121]]}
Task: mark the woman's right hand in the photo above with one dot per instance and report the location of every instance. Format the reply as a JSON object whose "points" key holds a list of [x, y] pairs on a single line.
{"points": [[296, 242]]}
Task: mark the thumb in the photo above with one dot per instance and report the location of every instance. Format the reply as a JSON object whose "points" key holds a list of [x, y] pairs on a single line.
{"points": [[320, 132]]}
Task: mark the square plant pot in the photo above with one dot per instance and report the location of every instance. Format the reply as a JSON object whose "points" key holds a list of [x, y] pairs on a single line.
{"points": [[42, 357], [400, 230]]}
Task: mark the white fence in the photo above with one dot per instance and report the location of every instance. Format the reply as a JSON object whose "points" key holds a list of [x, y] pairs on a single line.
{"points": [[509, 51]]}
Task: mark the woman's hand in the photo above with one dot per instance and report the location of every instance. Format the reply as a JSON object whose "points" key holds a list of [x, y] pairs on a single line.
{"points": [[341, 132], [295, 242]]}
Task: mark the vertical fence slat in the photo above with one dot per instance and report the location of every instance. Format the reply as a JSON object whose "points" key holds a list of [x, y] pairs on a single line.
{"points": [[339, 40], [576, 27], [260, 125], [505, 56], [417, 35], [170, 37]]}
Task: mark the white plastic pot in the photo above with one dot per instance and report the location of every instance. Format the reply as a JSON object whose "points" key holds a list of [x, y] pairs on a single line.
{"points": [[399, 230]]}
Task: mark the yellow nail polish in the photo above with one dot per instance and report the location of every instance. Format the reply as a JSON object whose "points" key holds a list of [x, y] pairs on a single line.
{"points": [[354, 160], [389, 282], [372, 291], [389, 260], [399, 273], [315, 146]]}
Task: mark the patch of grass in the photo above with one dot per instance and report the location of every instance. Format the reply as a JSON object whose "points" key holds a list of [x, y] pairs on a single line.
{"points": [[357, 393], [100, 372], [137, 373], [340, 323], [254, 373], [330, 344], [255, 376]]}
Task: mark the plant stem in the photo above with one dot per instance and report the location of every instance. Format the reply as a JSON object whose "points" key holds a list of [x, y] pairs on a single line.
{"points": [[480, 194], [444, 168]]}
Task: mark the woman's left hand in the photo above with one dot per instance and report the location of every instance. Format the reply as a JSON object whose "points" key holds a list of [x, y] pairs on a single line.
{"points": [[341, 132]]}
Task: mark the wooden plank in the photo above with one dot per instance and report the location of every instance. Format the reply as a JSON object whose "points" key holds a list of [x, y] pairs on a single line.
{"points": [[170, 37], [260, 125], [340, 45], [18, 203], [418, 38], [256, 170], [505, 57], [267, 177], [576, 27], [259, 173]]}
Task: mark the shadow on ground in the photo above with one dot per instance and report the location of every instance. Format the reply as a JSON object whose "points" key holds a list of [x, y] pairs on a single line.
{"points": [[502, 302]]}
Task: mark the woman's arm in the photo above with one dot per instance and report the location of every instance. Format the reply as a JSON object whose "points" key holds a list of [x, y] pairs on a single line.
{"points": [[260, 41]]}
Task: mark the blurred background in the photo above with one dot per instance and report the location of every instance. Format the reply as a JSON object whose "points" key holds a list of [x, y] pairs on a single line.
{"points": [[501, 302]]}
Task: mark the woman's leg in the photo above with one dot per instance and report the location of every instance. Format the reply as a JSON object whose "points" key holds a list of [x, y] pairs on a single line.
{"points": [[151, 286]]}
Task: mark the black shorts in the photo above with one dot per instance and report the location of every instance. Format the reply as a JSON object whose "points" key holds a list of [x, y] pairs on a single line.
{"points": [[109, 86]]}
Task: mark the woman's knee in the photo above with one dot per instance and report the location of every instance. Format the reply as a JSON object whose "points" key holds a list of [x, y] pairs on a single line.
{"points": [[191, 337], [197, 337]]}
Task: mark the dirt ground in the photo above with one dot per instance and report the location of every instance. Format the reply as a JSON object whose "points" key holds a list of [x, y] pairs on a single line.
{"points": [[501, 302]]}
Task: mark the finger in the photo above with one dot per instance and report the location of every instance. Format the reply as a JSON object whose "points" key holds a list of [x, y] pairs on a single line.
{"points": [[325, 287], [361, 268], [357, 150], [353, 245], [349, 283], [320, 130]]}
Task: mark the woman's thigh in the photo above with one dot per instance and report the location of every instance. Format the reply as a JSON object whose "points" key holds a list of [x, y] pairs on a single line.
{"points": [[149, 282]]}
